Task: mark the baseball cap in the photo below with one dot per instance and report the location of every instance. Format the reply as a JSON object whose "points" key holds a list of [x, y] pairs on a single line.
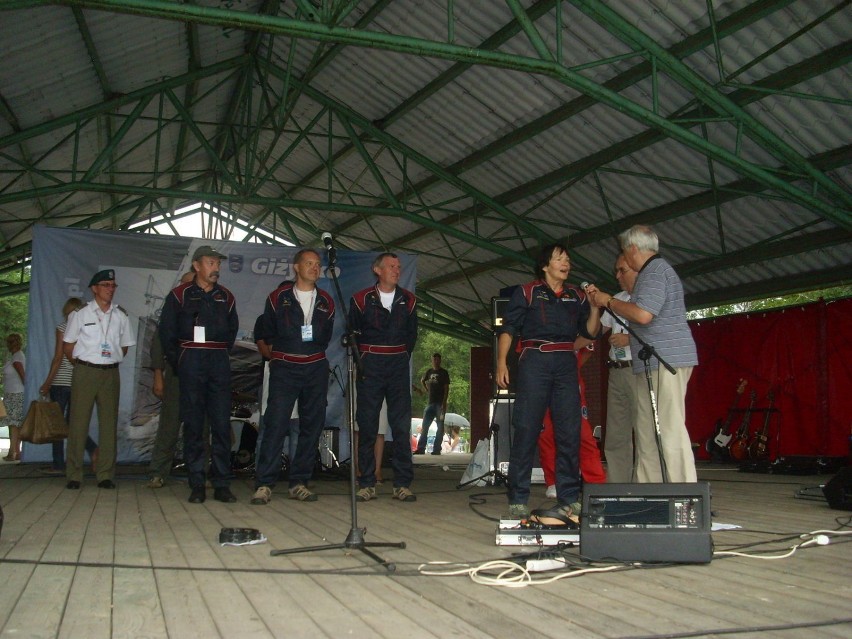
{"points": [[207, 251]]}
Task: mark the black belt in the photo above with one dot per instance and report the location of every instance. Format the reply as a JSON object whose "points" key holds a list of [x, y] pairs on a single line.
{"points": [[102, 366], [615, 364]]}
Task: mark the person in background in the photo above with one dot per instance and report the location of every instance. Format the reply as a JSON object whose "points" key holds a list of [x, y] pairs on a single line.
{"points": [[591, 468], [436, 381], [451, 440], [96, 341], [57, 385], [13, 384], [621, 392], [166, 388], [379, 448]]}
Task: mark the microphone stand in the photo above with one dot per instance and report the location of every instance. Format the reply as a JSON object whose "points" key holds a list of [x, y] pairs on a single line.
{"points": [[355, 538], [645, 354]]}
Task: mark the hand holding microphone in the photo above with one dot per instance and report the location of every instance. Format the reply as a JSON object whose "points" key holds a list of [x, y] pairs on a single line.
{"points": [[597, 298]]}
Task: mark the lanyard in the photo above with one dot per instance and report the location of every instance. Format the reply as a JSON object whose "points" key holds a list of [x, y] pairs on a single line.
{"points": [[101, 323], [310, 313]]}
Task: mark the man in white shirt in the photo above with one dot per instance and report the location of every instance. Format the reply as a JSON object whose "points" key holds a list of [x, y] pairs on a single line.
{"points": [[621, 395], [96, 340]]}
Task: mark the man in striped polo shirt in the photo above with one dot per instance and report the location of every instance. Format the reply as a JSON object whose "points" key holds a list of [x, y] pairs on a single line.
{"points": [[657, 313]]}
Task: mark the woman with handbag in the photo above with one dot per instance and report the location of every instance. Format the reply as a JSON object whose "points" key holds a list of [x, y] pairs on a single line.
{"points": [[57, 386], [13, 385]]}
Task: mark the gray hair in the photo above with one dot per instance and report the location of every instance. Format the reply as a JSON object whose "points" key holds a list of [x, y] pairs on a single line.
{"points": [[377, 263], [640, 236]]}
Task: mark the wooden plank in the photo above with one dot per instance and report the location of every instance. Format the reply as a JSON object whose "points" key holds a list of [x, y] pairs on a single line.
{"points": [[88, 611], [141, 562]]}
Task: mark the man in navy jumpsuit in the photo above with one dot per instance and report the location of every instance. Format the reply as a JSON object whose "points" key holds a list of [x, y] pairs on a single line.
{"points": [[547, 314], [384, 319], [198, 327], [298, 321]]}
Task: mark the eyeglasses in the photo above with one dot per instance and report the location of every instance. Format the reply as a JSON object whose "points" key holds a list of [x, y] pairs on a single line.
{"points": [[106, 285]]}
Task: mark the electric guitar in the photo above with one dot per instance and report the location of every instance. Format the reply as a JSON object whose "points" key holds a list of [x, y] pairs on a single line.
{"points": [[759, 446], [739, 447], [717, 443]]}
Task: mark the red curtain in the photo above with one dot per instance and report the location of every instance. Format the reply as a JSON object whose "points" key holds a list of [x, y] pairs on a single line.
{"points": [[803, 354]]}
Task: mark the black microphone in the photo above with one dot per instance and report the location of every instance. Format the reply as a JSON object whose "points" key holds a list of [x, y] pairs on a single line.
{"points": [[326, 239]]}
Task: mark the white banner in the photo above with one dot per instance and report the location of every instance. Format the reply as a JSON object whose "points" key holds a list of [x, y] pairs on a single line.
{"points": [[147, 267]]}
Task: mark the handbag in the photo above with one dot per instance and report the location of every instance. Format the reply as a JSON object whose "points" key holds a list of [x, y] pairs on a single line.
{"points": [[44, 423]]}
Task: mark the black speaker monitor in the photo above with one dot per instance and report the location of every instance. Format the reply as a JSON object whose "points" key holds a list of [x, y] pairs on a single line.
{"points": [[646, 522], [838, 490]]}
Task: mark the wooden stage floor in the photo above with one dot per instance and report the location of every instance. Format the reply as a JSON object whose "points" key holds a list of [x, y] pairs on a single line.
{"points": [[135, 562]]}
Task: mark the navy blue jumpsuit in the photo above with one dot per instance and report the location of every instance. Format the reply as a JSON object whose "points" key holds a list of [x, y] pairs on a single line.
{"points": [[204, 371], [385, 341], [298, 371], [547, 377]]}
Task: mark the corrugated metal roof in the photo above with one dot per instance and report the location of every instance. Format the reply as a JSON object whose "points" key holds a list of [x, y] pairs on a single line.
{"points": [[503, 158]]}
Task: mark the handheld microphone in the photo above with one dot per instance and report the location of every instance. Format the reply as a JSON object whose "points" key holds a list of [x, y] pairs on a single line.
{"points": [[327, 240], [584, 285]]}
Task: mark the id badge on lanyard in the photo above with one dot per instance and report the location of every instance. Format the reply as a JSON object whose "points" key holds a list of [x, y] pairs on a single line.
{"points": [[307, 333]]}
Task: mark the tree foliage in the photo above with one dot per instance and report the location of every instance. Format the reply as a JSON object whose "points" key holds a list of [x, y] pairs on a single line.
{"points": [[795, 299]]}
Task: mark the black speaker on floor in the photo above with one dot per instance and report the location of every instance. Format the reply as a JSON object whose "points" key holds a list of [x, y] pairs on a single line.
{"points": [[838, 491], [646, 522]]}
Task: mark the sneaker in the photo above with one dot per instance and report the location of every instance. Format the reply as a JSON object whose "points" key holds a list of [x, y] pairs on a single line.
{"points": [[366, 494], [224, 494], [519, 511], [550, 493], [403, 493], [156, 482], [198, 495], [262, 496], [570, 511], [301, 492]]}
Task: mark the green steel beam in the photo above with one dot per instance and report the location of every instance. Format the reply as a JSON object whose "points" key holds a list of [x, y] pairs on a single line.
{"points": [[113, 105], [237, 198], [728, 26], [707, 93], [832, 58], [431, 88], [764, 251], [777, 286], [442, 50], [827, 161]]}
